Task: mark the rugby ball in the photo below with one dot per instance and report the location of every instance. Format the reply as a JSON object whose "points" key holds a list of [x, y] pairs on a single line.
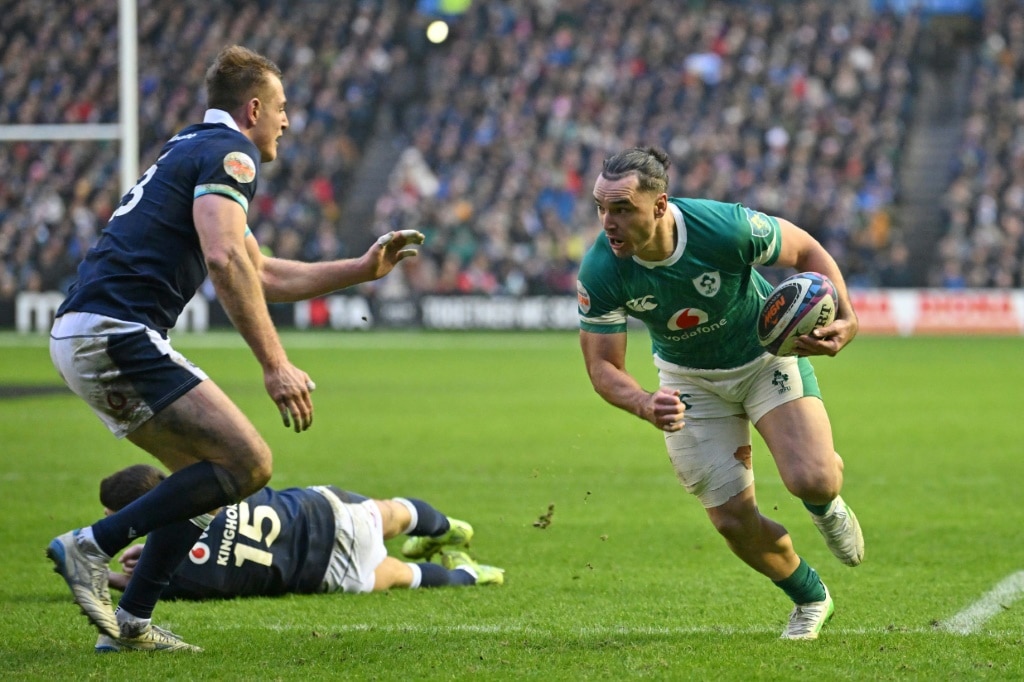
{"points": [[800, 304]]}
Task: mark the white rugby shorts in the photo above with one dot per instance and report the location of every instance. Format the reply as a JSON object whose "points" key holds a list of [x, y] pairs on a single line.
{"points": [[711, 454], [358, 544], [125, 371]]}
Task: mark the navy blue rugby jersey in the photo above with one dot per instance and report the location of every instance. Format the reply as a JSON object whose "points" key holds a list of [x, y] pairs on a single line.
{"points": [[274, 542], [147, 263]]}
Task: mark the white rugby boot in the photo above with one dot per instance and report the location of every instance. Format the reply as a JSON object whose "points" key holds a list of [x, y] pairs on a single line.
{"points": [[807, 620], [842, 532]]}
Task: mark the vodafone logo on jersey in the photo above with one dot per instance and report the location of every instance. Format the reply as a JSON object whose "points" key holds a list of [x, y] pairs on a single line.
{"points": [[687, 318], [200, 553]]}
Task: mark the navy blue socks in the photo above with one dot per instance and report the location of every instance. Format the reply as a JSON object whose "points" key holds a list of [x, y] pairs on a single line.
{"points": [[165, 549], [429, 521], [192, 491], [433, 575]]}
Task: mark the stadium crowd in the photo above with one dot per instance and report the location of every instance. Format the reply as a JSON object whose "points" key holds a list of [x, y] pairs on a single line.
{"points": [[984, 208], [797, 108], [58, 65]]}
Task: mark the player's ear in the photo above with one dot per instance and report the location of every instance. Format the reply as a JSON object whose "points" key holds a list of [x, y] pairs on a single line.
{"points": [[253, 109], [660, 205]]}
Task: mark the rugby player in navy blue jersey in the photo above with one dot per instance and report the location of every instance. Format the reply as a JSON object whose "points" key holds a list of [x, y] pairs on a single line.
{"points": [[313, 540], [185, 220]]}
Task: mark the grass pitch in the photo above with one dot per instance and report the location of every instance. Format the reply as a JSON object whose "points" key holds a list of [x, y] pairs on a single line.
{"points": [[628, 580]]}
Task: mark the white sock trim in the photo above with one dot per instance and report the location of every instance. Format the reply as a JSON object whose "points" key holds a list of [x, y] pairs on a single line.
{"points": [[87, 542], [126, 617], [413, 514], [470, 570], [417, 575]]}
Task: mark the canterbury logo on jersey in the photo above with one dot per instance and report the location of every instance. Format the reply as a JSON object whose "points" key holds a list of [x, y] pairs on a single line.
{"points": [[642, 304]]}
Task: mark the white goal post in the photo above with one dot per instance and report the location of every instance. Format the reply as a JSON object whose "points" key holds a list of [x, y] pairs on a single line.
{"points": [[126, 131]]}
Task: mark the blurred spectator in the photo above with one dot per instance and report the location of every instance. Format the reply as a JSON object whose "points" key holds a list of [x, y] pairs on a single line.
{"points": [[984, 203], [57, 66], [794, 108], [797, 108], [895, 268]]}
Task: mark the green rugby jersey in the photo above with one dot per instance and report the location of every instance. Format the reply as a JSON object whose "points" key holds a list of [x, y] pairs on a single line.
{"points": [[701, 303]]}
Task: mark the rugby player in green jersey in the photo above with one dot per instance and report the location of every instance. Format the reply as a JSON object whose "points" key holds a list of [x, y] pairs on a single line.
{"points": [[685, 268]]}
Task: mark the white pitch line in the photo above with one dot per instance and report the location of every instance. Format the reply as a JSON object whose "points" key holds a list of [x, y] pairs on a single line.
{"points": [[587, 631], [993, 602]]}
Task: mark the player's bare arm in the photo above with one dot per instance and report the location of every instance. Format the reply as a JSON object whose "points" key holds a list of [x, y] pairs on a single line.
{"points": [[605, 358], [220, 224], [802, 251], [118, 581], [286, 281]]}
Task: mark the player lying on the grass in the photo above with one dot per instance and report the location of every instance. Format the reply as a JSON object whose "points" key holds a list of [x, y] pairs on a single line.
{"points": [[306, 540]]}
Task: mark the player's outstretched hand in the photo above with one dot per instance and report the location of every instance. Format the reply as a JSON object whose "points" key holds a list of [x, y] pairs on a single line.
{"points": [[827, 340], [289, 387], [390, 249]]}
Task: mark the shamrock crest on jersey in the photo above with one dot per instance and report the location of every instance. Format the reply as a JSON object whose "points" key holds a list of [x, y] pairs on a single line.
{"points": [[708, 283]]}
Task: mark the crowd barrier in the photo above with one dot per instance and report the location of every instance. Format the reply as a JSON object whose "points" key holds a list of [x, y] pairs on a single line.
{"points": [[939, 311], [902, 312]]}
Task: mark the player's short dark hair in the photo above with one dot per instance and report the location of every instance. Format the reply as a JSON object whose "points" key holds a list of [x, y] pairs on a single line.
{"points": [[649, 164], [236, 75], [127, 485]]}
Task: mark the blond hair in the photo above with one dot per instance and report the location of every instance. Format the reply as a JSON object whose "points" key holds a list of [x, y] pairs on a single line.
{"points": [[236, 75]]}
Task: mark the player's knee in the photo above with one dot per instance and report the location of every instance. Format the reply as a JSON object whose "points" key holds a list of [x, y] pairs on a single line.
{"points": [[246, 475], [259, 472], [260, 476], [732, 527], [815, 485]]}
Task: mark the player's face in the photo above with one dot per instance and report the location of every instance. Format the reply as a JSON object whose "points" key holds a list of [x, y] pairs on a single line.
{"points": [[630, 217], [272, 121]]}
